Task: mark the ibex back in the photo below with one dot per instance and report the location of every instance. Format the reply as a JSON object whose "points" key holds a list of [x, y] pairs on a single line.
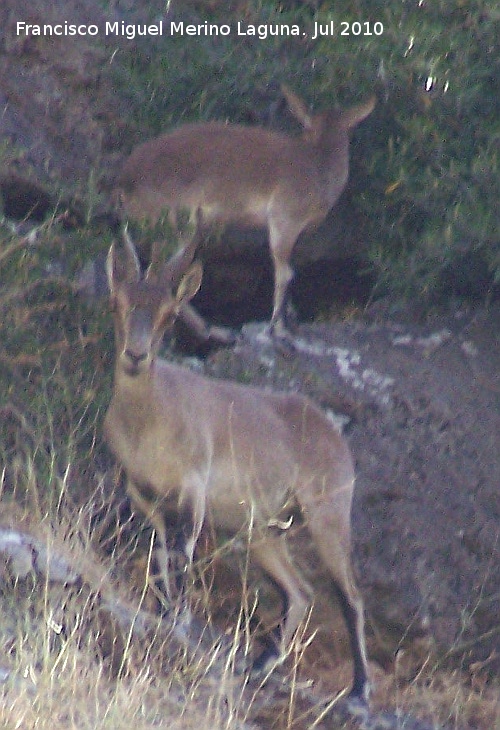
{"points": [[248, 176], [237, 456]]}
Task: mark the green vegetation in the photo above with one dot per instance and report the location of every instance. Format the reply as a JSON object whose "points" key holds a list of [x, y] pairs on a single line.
{"points": [[55, 379], [426, 164], [54, 371], [425, 182]]}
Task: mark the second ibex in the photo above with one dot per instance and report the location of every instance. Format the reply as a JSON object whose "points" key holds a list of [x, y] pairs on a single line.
{"points": [[238, 457], [247, 176]]}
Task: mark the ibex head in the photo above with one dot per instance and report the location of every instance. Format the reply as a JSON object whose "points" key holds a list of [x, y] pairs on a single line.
{"points": [[146, 307], [323, 129]]}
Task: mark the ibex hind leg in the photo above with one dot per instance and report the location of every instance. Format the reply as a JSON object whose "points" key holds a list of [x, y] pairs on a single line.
{"points": [[272, 555], [272, 642], [353, 613], [335, 554], [281, 244], [283, 275]]}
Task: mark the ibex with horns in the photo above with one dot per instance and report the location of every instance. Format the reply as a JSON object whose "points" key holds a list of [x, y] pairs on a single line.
{"points": [[248, 176], [236, 456]]}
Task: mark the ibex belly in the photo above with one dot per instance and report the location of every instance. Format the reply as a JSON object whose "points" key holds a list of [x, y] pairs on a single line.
{"points": [[251, 498]]}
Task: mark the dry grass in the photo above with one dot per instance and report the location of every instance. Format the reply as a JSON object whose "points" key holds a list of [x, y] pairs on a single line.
{"points": [[71, 665], [452, 698], [79, 696], [69, 670]]}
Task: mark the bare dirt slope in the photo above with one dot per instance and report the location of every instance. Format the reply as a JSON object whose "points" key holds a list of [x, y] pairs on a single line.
{"points": [[425, 408], [62, 121]]}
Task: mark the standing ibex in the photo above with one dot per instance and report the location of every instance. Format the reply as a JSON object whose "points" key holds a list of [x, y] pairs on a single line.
{"points": [[239, 457], [248, 176]]}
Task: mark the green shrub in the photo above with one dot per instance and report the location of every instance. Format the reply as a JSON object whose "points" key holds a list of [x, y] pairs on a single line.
{"points": [[425, 169]]}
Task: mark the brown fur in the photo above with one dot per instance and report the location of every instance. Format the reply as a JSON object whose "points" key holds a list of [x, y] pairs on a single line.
{"points": [[248, 176], [236, 456]]}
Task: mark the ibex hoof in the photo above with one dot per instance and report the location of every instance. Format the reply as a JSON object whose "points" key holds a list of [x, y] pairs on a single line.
{"points": [[358, 708], [284, 343], [277, 330], [358, 699]]}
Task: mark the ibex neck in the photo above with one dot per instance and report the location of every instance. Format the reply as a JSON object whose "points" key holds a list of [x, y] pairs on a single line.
{"points": [[138, 388], [333, 165], [132, 413]]}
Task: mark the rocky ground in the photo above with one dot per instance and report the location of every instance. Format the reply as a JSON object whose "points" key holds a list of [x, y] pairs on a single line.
{"points": [[420, 393]]}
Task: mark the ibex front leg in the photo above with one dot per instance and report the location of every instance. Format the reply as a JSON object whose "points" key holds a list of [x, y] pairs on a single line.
{"points": [[155, 515], [192, 504]]}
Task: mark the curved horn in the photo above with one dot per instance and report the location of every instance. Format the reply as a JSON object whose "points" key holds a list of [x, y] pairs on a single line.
{"points": [[177, 266], [125, 268]]}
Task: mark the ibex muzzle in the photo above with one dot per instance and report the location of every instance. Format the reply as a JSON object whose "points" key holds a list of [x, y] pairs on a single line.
{"points": [[237, 456], [248, 176]]}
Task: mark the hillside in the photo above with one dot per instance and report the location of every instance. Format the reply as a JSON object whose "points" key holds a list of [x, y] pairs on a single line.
{"points": [[411, 364]]}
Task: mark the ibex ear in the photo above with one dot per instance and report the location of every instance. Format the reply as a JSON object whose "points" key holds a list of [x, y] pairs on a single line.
{"points": [[353, 116], [190, 283], [297, 107]]}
